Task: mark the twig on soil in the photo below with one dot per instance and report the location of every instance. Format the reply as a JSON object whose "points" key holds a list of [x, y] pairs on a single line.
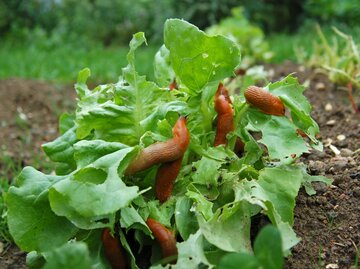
{"points": [[339, 244], [356, 151], [350, 91], [355, 246]]}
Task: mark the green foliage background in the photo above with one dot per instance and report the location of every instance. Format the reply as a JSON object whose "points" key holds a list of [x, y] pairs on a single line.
{"points": [[114, 21], [53, 39]]}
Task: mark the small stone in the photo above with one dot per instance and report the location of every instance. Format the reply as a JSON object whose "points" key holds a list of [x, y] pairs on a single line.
{"points": [[328, 107], [342, 196], [331, 170], [342, 143], [341, 137], [316, 166], [356, 192], [332, 266], [320, 187], [334, 149], [302, 68], [339, 162], [327, 142], [343, 186], [321, 200], [271, 72], [338, 179], [310, 201], [321, 217], [331, 122], [320, 86], [346, 152]]}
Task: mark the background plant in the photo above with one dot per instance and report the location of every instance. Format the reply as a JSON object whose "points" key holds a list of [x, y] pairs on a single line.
{"points": [[249, 37], [340, 59]]}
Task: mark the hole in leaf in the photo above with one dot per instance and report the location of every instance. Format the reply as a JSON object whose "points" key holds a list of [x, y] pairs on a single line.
{"points": [[91, 175], [104, 220]]}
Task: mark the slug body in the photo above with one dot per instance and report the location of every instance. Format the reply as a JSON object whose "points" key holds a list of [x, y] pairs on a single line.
{"points": [[114, 252], [301, 133], [162, 152], [164, 237], [173, 85], [225, 121], [265, 101], [165, 178]]}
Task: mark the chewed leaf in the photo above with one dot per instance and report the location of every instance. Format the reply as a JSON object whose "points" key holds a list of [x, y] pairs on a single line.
{"points": [[207, 169], [191, 253], [130, 218], [198, 58], [224, 224], [30, 218], [291, 93], [161, 212], [308, 179], [91, 203], [275, 192], [116, 112], [164, 73], [81, 87], [201, 203], [282, 186], [278, 135], [185, 218]]}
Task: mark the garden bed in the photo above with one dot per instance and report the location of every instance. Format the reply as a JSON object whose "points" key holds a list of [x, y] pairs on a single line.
{"points": [[327, 222]]}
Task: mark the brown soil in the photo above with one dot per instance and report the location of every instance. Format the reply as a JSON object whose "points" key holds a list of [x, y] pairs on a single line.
{"points": [[328, 222], [29, 112]]}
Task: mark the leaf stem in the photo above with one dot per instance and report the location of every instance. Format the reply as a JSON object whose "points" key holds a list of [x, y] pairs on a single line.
{"points": [[243, 108]]}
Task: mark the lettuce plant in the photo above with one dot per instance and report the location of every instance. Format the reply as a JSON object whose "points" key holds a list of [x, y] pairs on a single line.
{"points": [[340, 60], [249, 37], [58, 218]]}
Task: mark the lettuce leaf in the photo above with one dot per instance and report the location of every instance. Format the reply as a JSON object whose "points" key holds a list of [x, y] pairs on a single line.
{"points": [[92, 195], [31, 221], [211, 60]]}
